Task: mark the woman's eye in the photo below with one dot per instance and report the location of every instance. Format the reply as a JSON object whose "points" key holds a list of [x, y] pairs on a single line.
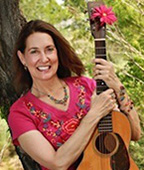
{"points": [[33, 52], [50, 49]]}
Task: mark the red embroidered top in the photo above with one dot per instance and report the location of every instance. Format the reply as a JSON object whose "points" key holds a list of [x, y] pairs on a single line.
{"points": [[29, 113]]}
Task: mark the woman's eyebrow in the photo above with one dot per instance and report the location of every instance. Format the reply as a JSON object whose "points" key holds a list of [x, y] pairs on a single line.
{"points": [[35, 48], [32, 48]]}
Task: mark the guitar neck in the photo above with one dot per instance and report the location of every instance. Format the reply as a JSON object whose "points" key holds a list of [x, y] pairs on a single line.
{"points": [[100, 52], [105, 124], [99, 34]]}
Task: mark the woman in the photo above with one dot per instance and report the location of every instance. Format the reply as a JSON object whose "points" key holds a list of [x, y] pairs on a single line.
{"points": [[56, 115]]}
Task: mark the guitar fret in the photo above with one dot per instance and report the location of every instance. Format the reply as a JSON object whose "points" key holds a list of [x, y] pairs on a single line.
{"points": [[100, 51], [108, 127], [100, 47], [106, 121], [103, 128], [106, 130], [100, 55], [101, 125], [106, 117], [99, 39]]}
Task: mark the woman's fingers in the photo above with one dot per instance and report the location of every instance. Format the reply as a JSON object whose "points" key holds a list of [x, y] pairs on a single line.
{"points": [[103, 103], [103, 68], [100, 61], [99, 72]]}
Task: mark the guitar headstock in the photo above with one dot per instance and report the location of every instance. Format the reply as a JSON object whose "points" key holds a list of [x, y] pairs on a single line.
{"points": [[98, 31], [99, 16]]}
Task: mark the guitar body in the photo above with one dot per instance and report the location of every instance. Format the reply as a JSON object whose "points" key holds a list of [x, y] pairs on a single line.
{"points": [[111, 153]]}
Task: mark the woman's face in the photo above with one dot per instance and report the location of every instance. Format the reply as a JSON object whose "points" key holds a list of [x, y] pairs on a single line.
{"points": [[40, 56]]}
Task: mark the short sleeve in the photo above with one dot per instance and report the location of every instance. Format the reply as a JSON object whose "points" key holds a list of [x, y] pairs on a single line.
{"points": [[20, 121], [89, 83]]}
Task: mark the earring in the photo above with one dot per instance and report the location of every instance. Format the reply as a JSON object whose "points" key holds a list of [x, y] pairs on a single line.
{"points": [[25, 67]]}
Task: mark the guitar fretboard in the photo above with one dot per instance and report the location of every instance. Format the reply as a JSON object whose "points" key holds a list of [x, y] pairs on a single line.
{"points": [[105, 124], [100, 52], [100, 48]]}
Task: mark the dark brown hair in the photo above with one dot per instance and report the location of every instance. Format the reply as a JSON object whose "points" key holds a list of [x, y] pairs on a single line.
{"points": [[69, 62]]}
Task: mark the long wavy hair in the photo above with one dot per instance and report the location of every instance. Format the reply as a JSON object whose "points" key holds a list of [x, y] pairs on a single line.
{"points": [[69, 63]]}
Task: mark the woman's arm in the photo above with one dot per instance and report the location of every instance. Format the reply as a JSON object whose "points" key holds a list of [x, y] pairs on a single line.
{"points": [[126, 106], [104, 70], [42, 151]]}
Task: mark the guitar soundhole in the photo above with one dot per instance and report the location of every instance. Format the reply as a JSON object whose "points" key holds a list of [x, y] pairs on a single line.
{"points": [[106, 143]]}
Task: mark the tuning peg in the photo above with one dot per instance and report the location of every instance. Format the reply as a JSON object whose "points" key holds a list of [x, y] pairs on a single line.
{"points": [[91, 10]]}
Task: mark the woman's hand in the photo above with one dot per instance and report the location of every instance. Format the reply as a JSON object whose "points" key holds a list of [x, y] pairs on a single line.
{"points": [[101, 105], [104, 71]]}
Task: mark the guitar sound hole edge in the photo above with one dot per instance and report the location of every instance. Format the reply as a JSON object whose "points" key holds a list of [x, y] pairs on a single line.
{"points": [[105, 148]]}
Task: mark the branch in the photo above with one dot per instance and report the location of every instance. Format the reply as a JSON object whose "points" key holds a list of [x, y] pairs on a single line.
{"points": [[139, 4], [128, 74], [139, 66], [121, 40], [139, 10]]}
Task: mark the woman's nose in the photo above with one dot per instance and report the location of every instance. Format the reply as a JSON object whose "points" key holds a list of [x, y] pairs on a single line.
{"points": [[44, 57]]}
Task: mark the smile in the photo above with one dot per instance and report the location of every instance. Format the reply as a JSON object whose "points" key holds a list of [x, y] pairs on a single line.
{"points": [[43, 68]]}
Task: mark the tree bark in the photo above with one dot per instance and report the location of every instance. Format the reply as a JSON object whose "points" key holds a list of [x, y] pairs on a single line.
{"points": [[11, 22]]}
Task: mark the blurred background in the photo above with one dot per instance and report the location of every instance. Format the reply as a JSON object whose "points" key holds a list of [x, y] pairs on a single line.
{"points": [[125, 48]]}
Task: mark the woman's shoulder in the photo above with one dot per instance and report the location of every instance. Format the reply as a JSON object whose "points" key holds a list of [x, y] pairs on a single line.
{"points": [[19, 103], [18, 109], [87, 81], [77, 81]]}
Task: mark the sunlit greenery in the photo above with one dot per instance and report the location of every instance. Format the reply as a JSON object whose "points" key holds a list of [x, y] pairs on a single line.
{"points": [[125, 45]]}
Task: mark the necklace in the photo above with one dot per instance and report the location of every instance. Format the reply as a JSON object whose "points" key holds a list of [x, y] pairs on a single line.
{"points": [[57, 101]]}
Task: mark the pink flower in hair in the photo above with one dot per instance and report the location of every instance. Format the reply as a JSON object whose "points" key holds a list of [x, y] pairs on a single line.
{"points": [[105, 14]]}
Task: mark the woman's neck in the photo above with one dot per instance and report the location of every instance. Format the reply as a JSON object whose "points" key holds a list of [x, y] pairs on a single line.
{"points": [[51, 86]]}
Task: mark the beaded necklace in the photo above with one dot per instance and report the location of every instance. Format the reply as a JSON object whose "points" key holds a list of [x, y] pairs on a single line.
{"points": [[57, 101]]}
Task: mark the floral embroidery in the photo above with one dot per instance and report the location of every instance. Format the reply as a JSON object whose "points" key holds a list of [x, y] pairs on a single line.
{"points": [[56, 124], [58, 131], [49, 132], [81, 99], [50, 127], [70, 126], [77, 82], [45, 126], [38, 113], [80, 114]]}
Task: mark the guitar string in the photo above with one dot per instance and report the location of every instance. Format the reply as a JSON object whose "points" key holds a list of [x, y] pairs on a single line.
{"points": [[103, 143], [101, 138]]}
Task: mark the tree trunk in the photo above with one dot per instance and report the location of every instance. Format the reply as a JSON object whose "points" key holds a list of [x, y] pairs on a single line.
{"points": [[11, 21]]}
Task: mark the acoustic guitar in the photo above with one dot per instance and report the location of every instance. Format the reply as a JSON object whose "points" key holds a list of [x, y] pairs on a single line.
{"points": [[108, 147]]}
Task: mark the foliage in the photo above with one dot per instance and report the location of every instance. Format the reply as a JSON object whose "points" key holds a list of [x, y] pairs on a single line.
{"points": [[8, 158], [125, 45]]}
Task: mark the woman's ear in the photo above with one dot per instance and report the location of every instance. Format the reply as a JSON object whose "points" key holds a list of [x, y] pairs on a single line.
{"points": [[21, 57]]}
